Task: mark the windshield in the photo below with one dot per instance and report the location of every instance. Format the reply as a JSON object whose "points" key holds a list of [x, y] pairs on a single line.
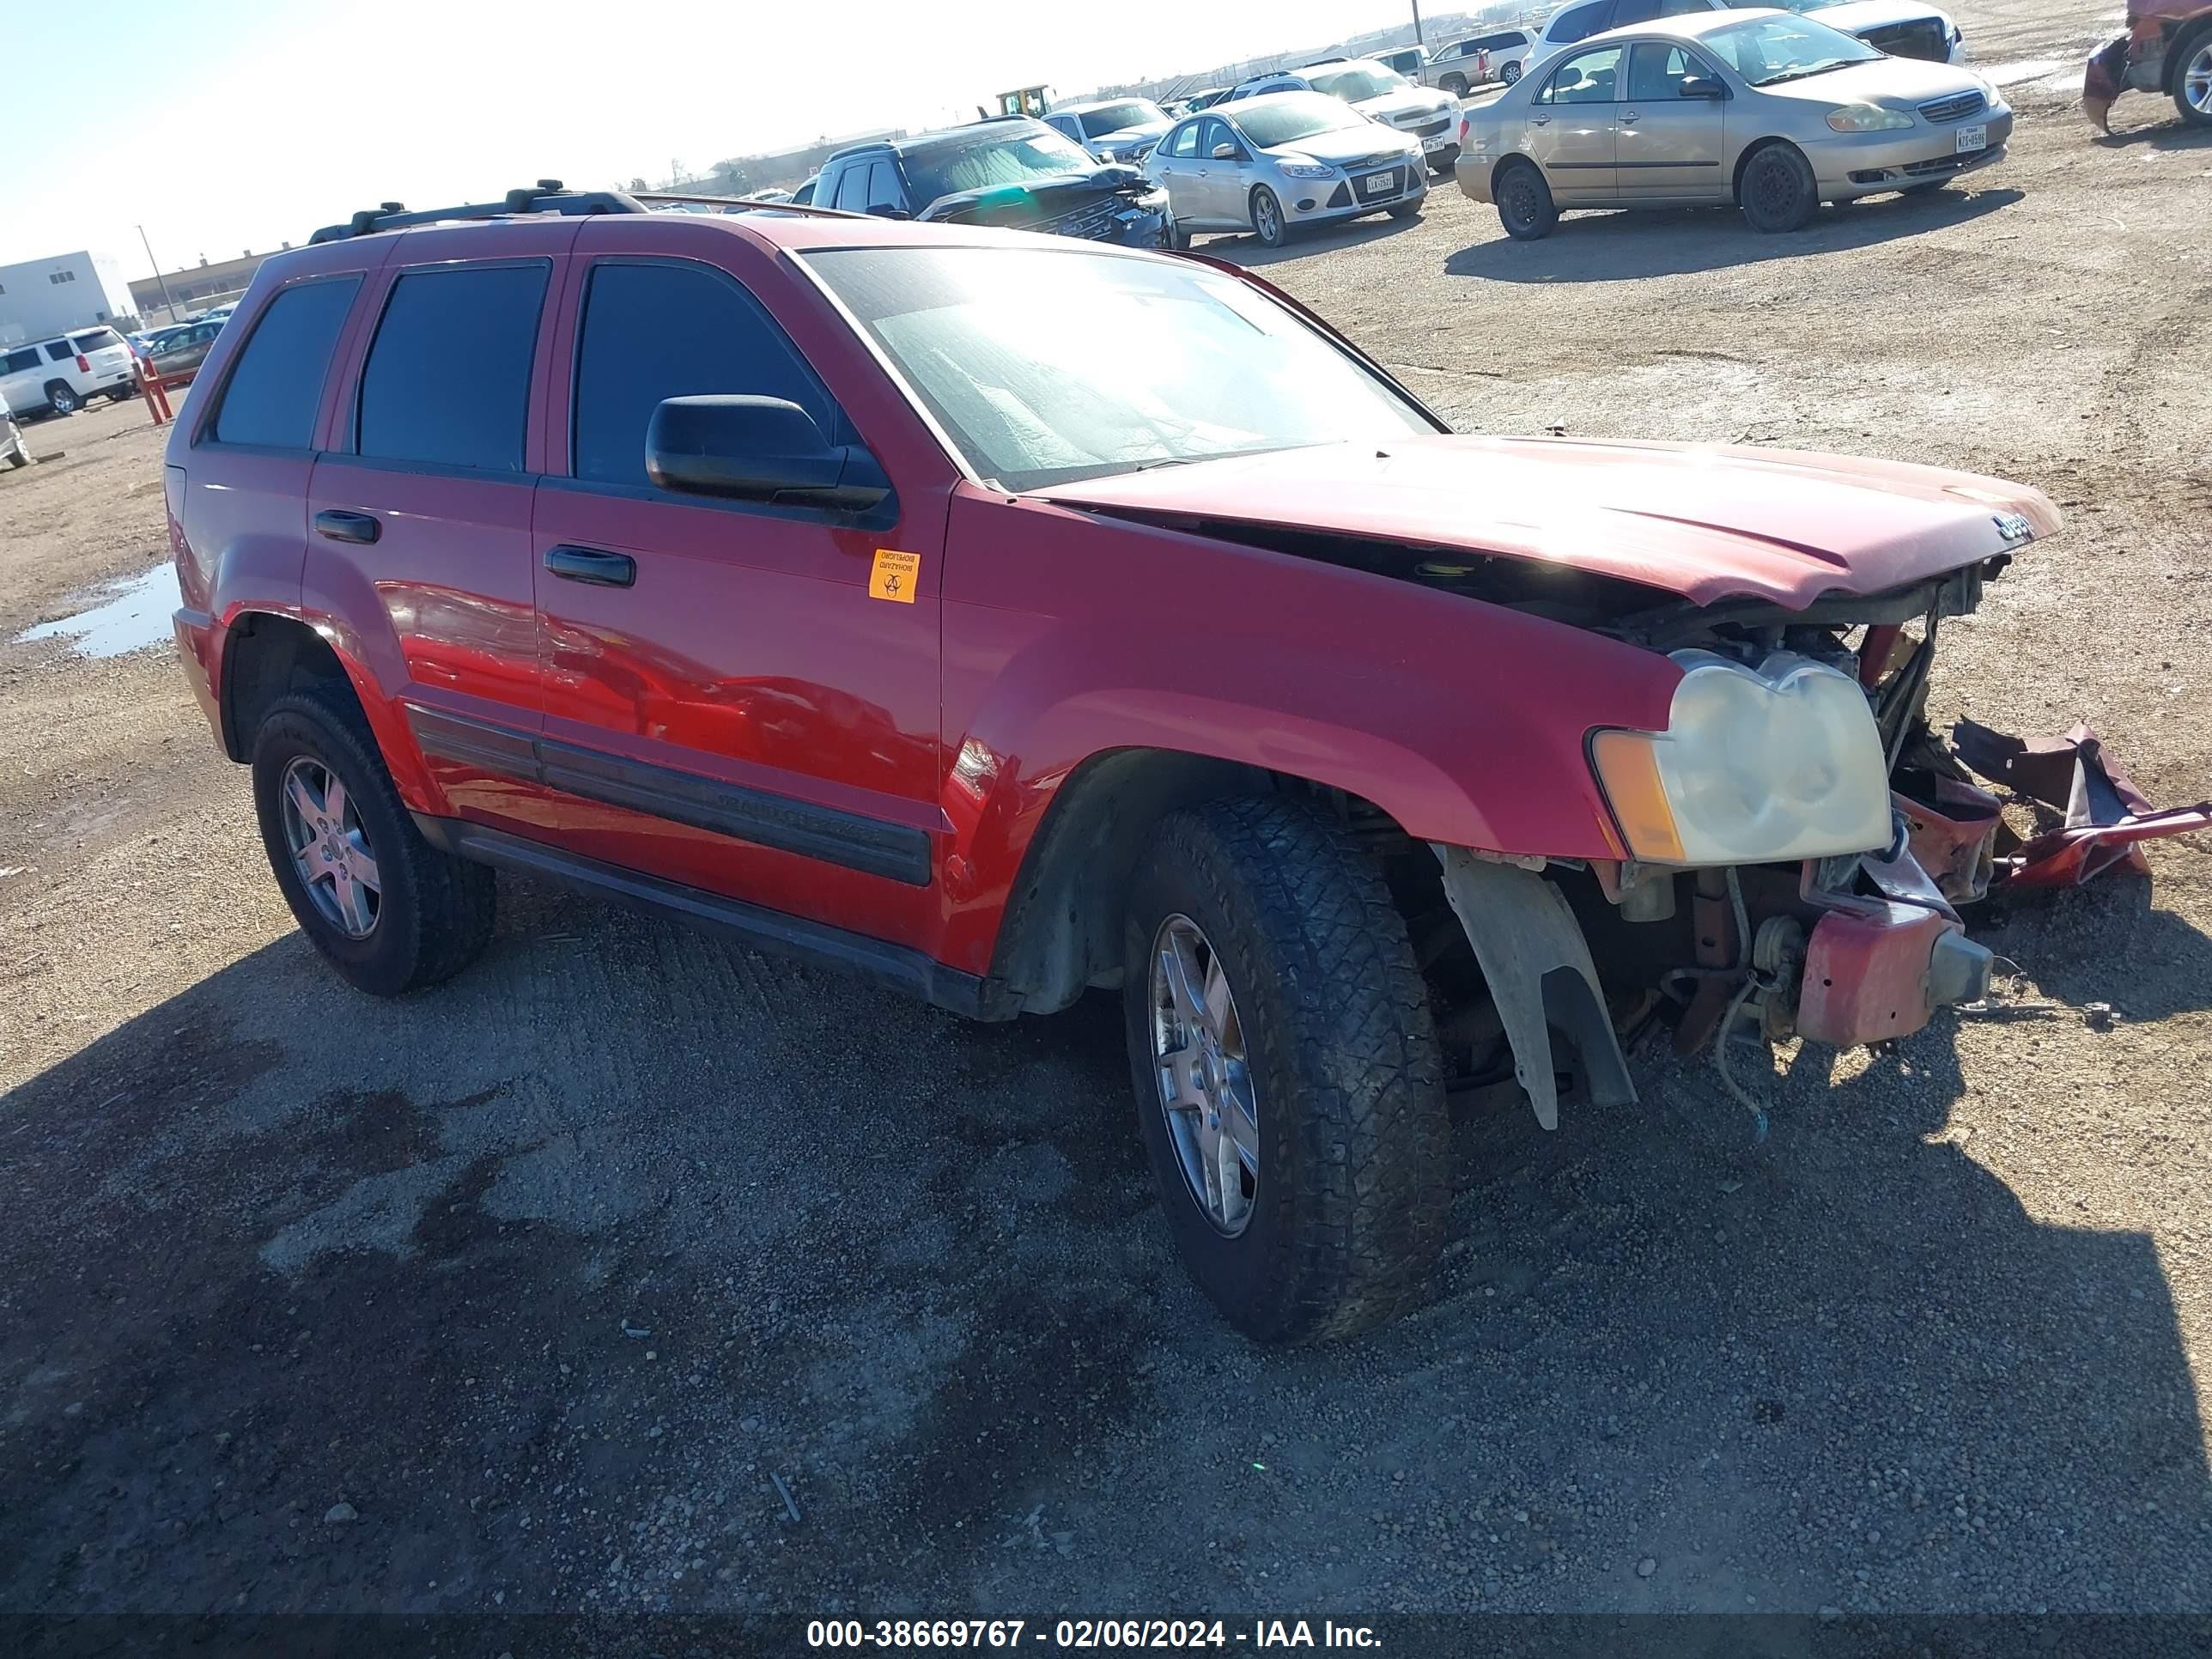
{"points": [[1053, 365], [1113, 118], [1357, 84], [1768, 51], [1295, 116], [990, 160]]}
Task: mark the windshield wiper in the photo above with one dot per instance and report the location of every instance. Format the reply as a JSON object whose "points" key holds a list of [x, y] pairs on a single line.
{"points": [[1817, 68]]}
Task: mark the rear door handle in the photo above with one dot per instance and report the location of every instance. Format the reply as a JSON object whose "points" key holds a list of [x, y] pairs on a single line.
{"points": [[341, 525], [1539, 120], [591, 564]]}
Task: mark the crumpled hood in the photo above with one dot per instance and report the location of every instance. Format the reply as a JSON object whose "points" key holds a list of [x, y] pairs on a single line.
{"points": [[1707, 523], [1854, 15], [1048, 197], [1405, 102]]}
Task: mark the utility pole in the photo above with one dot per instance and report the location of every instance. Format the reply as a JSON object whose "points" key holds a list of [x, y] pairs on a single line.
{"points": [[158, 277], [1419, 40]]}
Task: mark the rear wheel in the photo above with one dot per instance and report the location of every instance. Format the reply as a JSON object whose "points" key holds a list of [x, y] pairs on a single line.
{"points": [[2192, 83], [1525, 206], [62, 398], [1267, 218], [1455, 84], [1510, 74], [390, 911], [1289, 1085], [1778, 191]]}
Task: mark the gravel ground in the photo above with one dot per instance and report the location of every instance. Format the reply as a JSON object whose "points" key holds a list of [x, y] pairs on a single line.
{"points": [[541, 1292]]}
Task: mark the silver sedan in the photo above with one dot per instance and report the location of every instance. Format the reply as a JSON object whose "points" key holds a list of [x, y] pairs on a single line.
{"points": [[1772, 111], [1271, 164]]}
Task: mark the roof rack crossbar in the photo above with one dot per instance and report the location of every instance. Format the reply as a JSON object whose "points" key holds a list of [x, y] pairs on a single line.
{"points": [[547, 196]]}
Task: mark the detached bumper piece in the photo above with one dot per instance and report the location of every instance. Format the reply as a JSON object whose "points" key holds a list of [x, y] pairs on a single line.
{"points": [[2106, 819], [1872, 976]]}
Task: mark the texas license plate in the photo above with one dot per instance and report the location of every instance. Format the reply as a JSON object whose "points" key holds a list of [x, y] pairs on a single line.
{"points": [[1378, 184], [1435, 141], [1973, 138]]}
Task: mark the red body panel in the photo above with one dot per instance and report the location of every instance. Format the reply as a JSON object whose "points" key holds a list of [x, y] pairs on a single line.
{"points": [[1866, 974], [749, 657]]}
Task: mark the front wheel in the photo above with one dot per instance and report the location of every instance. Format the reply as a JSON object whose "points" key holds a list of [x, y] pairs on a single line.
{"points": [[62, 398], [2192, 83], [1289, 1084], [1525, 206], [1510, 74], [1406, 210], [1267, 218], [391, 912], [1175, 236], [1778, 191]]}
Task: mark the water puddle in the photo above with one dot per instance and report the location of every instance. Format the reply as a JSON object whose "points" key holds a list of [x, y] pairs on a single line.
{"points": [[132, 615]]}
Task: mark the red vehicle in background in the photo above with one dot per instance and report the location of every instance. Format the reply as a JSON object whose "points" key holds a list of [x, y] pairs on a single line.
{"points": [[2167, 48], [1002, 617]]}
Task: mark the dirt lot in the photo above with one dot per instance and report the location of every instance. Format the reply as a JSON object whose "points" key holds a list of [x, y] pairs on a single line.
{"points": [[548, 1276]]}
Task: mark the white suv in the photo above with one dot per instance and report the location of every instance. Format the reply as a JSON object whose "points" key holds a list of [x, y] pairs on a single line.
{"points": [[1903, 28], [59, 375], [12, 449]]}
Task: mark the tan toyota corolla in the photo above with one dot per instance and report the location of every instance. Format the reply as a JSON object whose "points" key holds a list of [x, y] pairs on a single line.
{"points": [[1772, 111]]}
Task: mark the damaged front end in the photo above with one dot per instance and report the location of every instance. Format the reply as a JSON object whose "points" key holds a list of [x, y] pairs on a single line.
{"points": [[1795, 735], [1112, 205]]}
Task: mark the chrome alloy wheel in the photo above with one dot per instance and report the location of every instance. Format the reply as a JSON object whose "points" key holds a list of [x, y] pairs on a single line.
{"points": [[329, 848], [1204, 1076], [2196, 80]]}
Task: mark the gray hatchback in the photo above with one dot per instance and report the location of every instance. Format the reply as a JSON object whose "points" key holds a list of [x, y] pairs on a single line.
{"points": [[1272, 163]]}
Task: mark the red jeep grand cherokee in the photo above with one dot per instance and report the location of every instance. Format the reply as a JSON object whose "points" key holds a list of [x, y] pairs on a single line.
{"points": [[1001, 616]]}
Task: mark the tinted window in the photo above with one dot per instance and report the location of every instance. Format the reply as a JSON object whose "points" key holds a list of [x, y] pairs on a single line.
{"points": [[98, 340], [852, 188], [884, 190], [20, 360], [652, 332], [60, 351], [276, 387], [448, 379], [1588, 77], [1581, 22]]}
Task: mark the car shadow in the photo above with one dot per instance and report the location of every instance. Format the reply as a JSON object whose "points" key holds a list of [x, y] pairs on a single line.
{"points": [[1244, 249], [631, 1272], [1612, 247], [2166, 135]]}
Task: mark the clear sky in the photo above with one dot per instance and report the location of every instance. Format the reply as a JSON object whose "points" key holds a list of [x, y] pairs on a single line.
{"points": [[272, 117]]}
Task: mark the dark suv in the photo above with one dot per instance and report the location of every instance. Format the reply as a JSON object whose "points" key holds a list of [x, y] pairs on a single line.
{"points": [[1008, 171], [1002, 617]]}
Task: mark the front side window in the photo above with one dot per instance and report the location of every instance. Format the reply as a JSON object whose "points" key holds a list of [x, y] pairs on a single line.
{"points": [[1657, 70], [1588, 77], [447, 380], [1023, 358], [276, 385], [885, 195], [651, 332]]}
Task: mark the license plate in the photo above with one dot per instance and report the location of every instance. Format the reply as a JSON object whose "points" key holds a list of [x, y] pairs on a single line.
{"points": [[1973, 138], [1436, 143], [1377, 184]]}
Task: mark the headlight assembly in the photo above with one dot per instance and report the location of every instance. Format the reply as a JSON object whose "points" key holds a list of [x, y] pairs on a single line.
{"points": [[1753, 768], [1867, 118], [1306, 170]]}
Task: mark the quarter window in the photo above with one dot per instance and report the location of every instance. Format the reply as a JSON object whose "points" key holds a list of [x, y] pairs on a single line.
{"points": [[276, 388], [447, 381], [1588, 77], [652, 332]]}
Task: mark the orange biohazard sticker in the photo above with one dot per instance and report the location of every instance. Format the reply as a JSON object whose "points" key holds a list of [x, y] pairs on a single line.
{"points": [[894, 576]]}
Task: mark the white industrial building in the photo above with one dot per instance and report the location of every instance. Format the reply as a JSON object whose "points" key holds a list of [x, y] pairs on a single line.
{"points": [[40, 298]]}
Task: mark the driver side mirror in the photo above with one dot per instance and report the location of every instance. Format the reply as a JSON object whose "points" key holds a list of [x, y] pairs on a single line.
{"points": [[1701, 86], [757, 449]]}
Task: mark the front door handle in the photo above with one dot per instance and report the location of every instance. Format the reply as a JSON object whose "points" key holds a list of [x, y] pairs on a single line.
{"points": [[1539, 120], [1632, 115], [591, 564], [341, 525]]}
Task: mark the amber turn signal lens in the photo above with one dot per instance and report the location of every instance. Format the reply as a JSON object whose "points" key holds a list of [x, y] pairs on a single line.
{"points": [[1627, 766]]}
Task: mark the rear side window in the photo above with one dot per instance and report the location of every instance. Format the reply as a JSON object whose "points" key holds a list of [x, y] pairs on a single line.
{"points": [[98, 340], [277, 387], [652, 332], [60, 350], [448, 380], [852, 188]]}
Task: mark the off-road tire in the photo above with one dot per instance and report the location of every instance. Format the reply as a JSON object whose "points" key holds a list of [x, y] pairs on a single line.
{"points": [[436, 912], [62, 398], [1777, 190], [1525, 206], [1349, 1206]]}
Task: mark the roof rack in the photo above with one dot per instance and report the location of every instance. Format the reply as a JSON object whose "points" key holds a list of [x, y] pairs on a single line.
{"points": [[548, 195]]}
